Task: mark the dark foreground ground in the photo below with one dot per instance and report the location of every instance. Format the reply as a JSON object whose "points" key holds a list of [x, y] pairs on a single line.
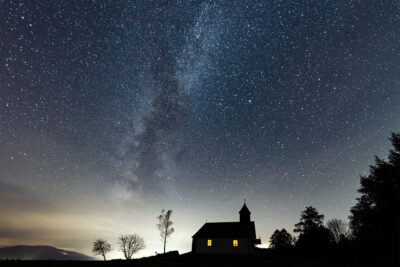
{"points": [[288, 258]]}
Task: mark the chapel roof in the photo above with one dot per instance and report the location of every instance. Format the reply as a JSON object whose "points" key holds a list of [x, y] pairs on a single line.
{"points": [[227, 229]]}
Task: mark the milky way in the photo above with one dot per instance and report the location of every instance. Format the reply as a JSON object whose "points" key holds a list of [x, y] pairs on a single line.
{"points": [[195, 104]]}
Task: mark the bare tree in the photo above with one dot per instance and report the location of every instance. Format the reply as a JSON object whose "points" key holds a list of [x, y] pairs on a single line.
{"points": [[338, 228], [130, 244], [164, 225], [101, 247]]}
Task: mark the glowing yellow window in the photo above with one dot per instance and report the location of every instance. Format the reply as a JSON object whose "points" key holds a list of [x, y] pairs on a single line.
{"points": [[209, 243], [235, 243]]}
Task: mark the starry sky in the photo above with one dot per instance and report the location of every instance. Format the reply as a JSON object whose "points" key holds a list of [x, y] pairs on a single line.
{"points": [[113, 110]]}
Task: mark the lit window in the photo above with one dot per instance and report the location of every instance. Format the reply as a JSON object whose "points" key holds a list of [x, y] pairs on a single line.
{"points": [[235, 243], [209, 243]]}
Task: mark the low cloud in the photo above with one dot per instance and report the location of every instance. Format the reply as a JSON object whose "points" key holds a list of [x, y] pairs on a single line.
{"points": [[28, 218]]}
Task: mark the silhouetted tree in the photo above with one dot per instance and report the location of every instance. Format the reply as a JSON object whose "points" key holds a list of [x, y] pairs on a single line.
{"points": [[375, 219], [338, 228], [164, 225], [101, 247], [130, 244], [281, 239], [310, 219], [312, 232]]}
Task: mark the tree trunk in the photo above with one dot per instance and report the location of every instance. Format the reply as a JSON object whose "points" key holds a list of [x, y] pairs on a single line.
{"points": [[165, 241], [104, 256]]}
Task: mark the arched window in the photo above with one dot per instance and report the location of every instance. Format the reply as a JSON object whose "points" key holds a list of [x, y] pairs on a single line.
{"points": [[235, 243]]}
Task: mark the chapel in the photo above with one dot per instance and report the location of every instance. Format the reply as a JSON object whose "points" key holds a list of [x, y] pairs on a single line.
{"points": [[227, 237]]}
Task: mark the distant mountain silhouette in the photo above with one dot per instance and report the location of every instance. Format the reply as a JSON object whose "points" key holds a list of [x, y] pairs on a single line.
{"points": [[40, 253]]}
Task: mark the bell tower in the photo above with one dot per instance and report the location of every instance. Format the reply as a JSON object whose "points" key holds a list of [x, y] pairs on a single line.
{"points": [[244, 214]]}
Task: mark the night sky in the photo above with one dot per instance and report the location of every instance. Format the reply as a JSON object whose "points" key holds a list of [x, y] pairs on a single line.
{"points": [[113, 110]]}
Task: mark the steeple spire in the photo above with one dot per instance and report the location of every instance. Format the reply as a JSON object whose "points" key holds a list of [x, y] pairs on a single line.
{"points": [[244, 213]]}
